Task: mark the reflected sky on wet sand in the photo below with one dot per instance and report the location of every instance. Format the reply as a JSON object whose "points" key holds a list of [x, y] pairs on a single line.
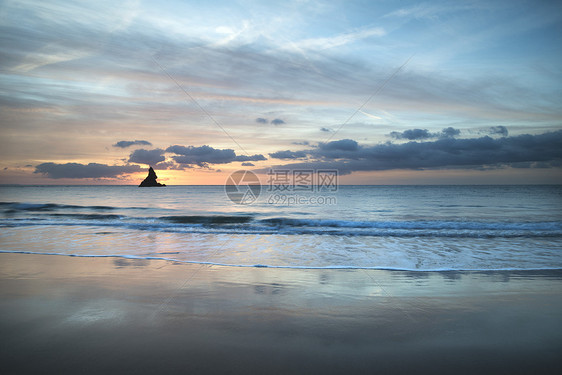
{"points": [[126, 314]]}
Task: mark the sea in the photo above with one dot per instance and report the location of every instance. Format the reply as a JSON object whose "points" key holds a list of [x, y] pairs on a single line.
{"points": [[421, 228]]}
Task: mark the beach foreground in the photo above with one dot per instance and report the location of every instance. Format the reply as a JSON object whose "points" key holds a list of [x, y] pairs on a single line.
{"points": [[63, 314]]}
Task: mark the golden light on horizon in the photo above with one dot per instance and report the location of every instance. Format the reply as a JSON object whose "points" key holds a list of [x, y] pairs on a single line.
{"points": [[191, 176]]}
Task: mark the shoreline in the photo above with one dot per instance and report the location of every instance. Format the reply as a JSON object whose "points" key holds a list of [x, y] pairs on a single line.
{"points": [[553, 270], [66, 314]]}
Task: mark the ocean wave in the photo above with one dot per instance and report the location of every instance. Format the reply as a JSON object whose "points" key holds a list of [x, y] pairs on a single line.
{"points": [[90, 216], [49, 214], [19, 206], [207, 219], [415, 225], [239, 226]]}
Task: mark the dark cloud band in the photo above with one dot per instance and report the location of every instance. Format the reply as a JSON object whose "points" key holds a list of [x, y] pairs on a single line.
{"points": [[523, 151], [91, 170]]}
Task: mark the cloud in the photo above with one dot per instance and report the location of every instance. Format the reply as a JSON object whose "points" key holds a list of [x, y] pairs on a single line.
{"points": [[201, 156], [150, 157], [172, 165], [425, 10], [420, 134], [248, 165], [370, 115], [341, 145], [302, 143], [337, 40], [125, 144], [257, 157], [276, 121], [287, 154], [344, 148], [523, 151], [326, 130], [412, 134], [91, 170], [204, 155], [450, 132], [501, 130]]}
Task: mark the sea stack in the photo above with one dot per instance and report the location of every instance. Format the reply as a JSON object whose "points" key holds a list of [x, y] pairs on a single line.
{"points": [[150, 180]]}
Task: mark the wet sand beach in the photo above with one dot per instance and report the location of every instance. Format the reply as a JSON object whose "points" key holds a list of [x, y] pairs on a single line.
{"points": [[68, 315]]}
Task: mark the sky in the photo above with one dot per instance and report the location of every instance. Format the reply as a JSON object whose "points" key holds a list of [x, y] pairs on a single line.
{"points": [[384, 92]]}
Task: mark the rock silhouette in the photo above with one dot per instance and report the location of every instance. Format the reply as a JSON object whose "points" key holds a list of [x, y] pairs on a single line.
{"points": [[150, 180]]}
